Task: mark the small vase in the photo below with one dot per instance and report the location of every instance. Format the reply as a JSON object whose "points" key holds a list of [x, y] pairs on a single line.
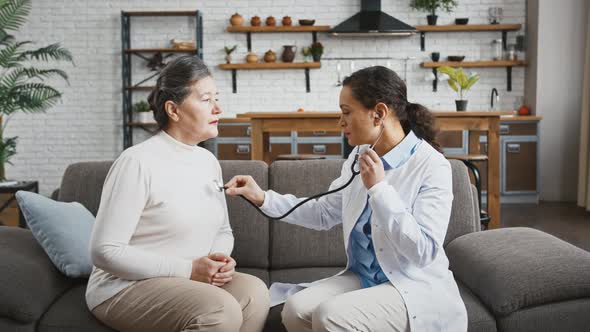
{"points": [[288, 53], [236, 20], [316, 57], [287, 21], [251, 58], [255, 21], [271, 21], [144, 117], [270, 56], [461, 105], [431, 19], [228, 58]]}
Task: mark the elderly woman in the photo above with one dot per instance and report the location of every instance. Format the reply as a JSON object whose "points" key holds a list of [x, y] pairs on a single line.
{"points": [[162, 240]]}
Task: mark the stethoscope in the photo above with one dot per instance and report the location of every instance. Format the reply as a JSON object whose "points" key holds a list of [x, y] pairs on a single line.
{"points": [[219, 186]]}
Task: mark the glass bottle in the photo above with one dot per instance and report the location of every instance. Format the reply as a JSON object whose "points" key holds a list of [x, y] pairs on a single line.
{"points": [[497, 49]]}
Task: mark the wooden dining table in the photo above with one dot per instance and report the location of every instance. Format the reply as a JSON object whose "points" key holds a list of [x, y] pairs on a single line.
{"points": [[264, 123]]}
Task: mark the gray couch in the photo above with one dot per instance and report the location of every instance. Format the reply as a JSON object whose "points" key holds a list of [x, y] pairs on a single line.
{"points": [[514, 279]]}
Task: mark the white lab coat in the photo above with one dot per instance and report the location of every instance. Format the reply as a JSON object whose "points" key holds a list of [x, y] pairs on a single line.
{"points": [[411, 211]]}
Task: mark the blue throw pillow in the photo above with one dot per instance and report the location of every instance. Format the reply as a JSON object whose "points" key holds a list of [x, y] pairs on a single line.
{"points": [[62, 229]]}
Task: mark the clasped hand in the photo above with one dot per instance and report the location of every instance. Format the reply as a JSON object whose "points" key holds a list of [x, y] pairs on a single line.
{"points": [[216, 269]]}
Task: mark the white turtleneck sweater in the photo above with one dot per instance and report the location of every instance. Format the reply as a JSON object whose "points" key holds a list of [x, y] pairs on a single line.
{"points": [[159, 210]]}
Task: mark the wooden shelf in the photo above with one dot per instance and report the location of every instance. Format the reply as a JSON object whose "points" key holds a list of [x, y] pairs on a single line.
{"points": [[234, 67], [161, 13], [475, 64], [504, 28], [161, 50], [471, 64], [142, 124], [271, 65], [140, 88], [468, 27], [248, 30], [298, 28]]}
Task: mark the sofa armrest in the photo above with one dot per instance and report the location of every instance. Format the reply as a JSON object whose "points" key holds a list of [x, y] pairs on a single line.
{"points": [[514, 268], [29, 282]]}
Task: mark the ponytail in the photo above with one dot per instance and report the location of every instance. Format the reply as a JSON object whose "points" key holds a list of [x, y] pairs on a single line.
{"points": [[421, 121]]}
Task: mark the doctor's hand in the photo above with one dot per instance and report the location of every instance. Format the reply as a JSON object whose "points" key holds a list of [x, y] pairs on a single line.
{"points": [[372, 171], [246, 186], [205, 268], [226, 272]]}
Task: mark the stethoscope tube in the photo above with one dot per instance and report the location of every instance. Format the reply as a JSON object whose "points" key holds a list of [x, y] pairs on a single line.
{"points": [[352, 169]]}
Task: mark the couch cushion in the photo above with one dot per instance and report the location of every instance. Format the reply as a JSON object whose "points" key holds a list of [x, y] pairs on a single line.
{"points": [[561, 316], [29, 282], [306, 274], [9, 325], [479, 318], [70, 314], [293, 246], [463, 218], [250, 228], [62, 229], [83, 182], [262, 274], [514, 268]]}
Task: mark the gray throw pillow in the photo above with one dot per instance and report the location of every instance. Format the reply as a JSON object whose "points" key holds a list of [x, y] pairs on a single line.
{"points": [[62, 229]]}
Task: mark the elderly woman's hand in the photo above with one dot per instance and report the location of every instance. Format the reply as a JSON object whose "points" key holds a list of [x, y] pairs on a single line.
{"points": [[226, 272], [205, 268], [246, 186]]}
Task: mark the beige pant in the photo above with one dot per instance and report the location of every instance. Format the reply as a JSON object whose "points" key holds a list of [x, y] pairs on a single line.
{"points": [[340, 304], [177, 304]]}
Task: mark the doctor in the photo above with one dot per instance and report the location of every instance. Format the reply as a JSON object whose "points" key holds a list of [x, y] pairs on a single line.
{"points": [[395, 217]]}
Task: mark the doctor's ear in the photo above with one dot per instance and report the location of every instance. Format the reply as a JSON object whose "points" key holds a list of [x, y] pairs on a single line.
{"points": [[380, 113]]}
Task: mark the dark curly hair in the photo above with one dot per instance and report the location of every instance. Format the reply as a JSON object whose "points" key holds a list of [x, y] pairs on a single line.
{"points": [[174, 84], [379, 84]]}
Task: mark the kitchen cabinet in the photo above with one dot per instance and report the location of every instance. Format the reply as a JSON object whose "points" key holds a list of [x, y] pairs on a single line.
{"points": [[519, 159]]}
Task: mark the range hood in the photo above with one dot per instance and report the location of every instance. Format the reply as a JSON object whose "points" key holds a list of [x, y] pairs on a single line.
{"points": [[371, 21]]}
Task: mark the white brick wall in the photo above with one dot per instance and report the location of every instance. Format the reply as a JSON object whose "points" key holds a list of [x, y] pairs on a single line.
{"points": [[87, 124]]}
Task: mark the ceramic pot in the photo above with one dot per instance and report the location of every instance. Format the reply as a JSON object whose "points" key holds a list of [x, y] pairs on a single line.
{"points": [[145, 117], [270, 56], [236, 20], [288, 53], [228, 58], [270, 21], [461, 105], [255, 21], [287, 21], [251, 58], [431, 19]]}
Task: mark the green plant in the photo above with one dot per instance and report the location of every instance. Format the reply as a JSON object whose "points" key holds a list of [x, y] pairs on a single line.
{"points": [[229, 50], [431, 6], [458, 80], [22, 87], [141, 106], [306, 51], [317, 49]]}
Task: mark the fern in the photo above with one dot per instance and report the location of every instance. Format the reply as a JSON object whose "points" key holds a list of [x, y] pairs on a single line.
{"points": [[22, 87], [13, 13]]}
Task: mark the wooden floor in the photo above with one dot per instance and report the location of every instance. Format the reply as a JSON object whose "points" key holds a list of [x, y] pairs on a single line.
{"points": [[566, 221]]}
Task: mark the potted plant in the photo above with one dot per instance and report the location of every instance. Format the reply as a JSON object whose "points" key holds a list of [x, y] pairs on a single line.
{"points": [[317, 49], [459, 82], [22, 85], [306, 51], [228, 52], [430, 6], [143, 111]]}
